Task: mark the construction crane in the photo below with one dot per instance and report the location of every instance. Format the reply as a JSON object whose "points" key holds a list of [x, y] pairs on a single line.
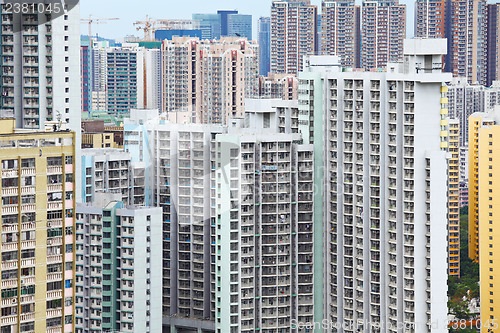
{"points": [[91, 21], [149, 26]]}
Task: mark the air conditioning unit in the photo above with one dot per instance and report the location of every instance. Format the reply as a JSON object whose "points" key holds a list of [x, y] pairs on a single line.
{"points": [[22, 281], [49, 224], [49, 241], [14, 301]]}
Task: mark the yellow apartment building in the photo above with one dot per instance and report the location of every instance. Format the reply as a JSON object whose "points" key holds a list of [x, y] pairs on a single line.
{"points": [[37, 226]]}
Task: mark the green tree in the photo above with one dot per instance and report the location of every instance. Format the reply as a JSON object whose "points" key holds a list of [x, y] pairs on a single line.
{"points": [[467, 285]]}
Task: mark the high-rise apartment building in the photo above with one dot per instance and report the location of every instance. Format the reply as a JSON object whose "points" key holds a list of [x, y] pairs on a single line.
{"points": [[181, 182], [220, 75], [467, 37], [264, 233], [264, 32], [180, 164], [117, 272], [270, 115], [482, 205], [385, 170], [107, 170], [280, 86], [99, 73], [41, 67], [453, 197], [293, 34], [152, 81], [464, 24], [340, 31], [124, 79], [85, 67], [38, 200], [463, 100], [477, 151], [431, 18], [383, 29], [492, 43]]}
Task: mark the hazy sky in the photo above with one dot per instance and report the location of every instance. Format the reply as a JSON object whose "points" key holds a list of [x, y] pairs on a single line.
{"points": [[130, 11]]}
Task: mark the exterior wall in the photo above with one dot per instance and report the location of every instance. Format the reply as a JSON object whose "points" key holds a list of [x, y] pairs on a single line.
{"points": [[106, 170], [453, 198], [152, 86], [385, 190], [124, 80], [489, 154], [182, 169], [293, 34], [467, 38], [239, 25], [267, 232], [118, 297], [264, 31], [85, 53], [340, 24], [381, 42], [37, 227], [213, 67], [210, 25], [89, 275], [492, 44], [476, 122], [280, 86]]}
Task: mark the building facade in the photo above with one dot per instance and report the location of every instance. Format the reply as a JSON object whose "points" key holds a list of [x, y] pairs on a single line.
{"points": [[106, 231], [220, 76], [385, 194], [485, 132], [210, 25], [293, 34], [264, 234], [464, 24], [477, 121], [264, 31], [383, 29], [280, 86], [340, 31], [85, 67], [431, 18], [124, 80], [39, 82], [38, 200], [453, 197], [239, 25], [106, 170], [492, 42]]}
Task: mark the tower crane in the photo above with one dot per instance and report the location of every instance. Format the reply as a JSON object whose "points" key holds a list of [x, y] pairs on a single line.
{"points": [[147, 26], [150, 26], [91, 20]]}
